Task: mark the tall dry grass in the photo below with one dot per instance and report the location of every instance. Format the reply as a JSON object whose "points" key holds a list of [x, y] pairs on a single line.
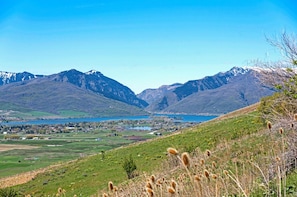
{"points": [[254, 165]]}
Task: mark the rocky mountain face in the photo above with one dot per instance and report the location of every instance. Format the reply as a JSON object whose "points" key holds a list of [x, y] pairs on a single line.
{"points": [[208, 83], [221, 93], [100, 84], [10, 77]]}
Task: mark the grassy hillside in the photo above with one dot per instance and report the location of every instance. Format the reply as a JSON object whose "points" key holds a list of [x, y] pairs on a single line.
{"points": [[89, 175]]}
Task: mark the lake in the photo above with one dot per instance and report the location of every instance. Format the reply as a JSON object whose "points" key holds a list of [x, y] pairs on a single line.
{"points": [[176, 117]]}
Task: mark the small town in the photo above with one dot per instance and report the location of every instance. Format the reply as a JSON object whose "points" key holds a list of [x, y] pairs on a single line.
{"points": [[156, 126]]}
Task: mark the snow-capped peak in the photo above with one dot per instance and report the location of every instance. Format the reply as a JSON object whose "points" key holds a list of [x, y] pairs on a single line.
{"points": [[238, 70], [4, 74], [7, 76], [91, 72]]}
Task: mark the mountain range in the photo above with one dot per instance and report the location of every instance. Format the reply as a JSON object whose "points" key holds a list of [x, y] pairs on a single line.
{"points": [[218, 94], [88, 94], [93, 94]]}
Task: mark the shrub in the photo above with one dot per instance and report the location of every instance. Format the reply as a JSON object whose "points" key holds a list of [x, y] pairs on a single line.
{"points": [[129, 167]]}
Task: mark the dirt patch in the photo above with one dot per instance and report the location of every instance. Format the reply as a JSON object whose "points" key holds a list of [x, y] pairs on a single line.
{"points": [[7, 147], [18, 179], [25, 177], [134, 138]]}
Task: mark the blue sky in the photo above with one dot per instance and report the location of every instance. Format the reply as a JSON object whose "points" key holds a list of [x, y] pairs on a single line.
{"points": [[140, 43]]}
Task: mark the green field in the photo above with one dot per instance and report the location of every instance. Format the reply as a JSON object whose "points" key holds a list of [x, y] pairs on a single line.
{"points": [[61, 147]]}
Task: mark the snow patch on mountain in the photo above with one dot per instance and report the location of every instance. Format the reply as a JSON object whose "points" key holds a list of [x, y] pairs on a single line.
{"points": [[6, 77], [9, 77], [235, 71], [93, 72]]}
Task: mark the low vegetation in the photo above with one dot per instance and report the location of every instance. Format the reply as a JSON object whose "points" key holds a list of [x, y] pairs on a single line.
{"points": [[242, 167]]}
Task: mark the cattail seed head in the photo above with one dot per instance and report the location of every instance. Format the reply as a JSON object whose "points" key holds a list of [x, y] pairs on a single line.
{"points": [[202, 162], [269, 125], [60, 190], [172, 151], [171, 190], [197, 178], [214, 176], [206, 174], [173, 184], [160, 181], [281, 131], [148, 185], [110, 186], [226, 172], [185, 159], [150, 192], [153, 179], [214, 164]]}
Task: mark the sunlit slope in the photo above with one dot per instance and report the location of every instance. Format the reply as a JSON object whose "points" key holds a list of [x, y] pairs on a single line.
{"points": [[87, 175]]}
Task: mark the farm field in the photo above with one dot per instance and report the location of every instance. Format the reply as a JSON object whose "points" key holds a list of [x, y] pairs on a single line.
{"points": [[24, 155], [7, 147], [26, 150]]}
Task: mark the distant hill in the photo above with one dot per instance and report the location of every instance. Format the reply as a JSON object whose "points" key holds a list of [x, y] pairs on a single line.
{"points": [[218, 94], [91, 93], [151, 95]]}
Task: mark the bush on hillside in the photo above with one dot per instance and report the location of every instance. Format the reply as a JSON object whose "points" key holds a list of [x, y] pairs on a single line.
{"points": [[7, 192], [130, 166], [282, 76], [278, 106]]}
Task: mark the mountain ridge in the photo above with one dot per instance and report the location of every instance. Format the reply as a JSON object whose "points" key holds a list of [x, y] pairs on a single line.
{"points": [[177, 101], [92, 80], [89, 93], [98, 83], [217, 94], [10, 77], [55, 97]]}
